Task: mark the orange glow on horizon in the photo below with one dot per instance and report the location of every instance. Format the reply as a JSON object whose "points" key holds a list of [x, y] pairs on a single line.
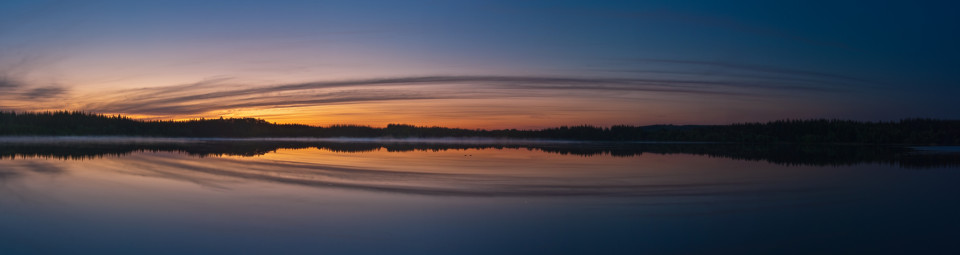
{"points": [[468, 114], [456, 105]]}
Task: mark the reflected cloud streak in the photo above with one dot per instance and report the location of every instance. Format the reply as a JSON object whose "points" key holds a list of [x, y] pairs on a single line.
{"points": [[438, 169], [416, 183]]}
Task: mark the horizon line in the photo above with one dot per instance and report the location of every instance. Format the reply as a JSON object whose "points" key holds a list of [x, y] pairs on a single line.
{"points": [[122, 116]]}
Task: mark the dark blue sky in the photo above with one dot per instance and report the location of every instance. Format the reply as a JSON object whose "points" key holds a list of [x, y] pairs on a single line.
{"points": [[483, 63]]}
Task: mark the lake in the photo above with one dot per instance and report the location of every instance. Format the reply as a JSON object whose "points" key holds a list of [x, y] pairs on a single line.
{"points": [[84, 195]]}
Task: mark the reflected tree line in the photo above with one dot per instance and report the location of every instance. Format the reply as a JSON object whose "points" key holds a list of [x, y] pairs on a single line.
{"points": [[820, 131], [782, 154]]}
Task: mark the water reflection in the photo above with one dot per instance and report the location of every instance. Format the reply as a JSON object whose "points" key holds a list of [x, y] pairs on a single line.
{"points": [[456, 169], [448, 174], [308, 197], [810, 155]]}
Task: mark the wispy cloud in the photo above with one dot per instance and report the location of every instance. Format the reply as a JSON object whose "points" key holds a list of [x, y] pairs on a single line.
{"points": [[7, 83], [13, 93], [763, 69], [18, 85], [225, 95], [20, 93], [43, 92]]}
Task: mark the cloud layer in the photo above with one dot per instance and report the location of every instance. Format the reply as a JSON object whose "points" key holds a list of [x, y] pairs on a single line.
{"points": [[221, 95]]}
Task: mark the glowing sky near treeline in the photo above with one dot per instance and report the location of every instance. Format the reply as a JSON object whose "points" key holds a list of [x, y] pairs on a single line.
{"points": [[483, 64]]}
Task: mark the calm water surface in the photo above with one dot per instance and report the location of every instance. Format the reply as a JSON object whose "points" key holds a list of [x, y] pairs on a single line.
{"points": [[366, 198]]}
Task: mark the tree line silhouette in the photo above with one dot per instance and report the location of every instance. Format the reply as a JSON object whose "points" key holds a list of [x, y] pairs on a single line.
{"points": [[817, 131]]}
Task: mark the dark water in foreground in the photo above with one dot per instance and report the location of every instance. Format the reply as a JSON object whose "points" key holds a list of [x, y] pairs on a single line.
{"points": [[63, 196]]}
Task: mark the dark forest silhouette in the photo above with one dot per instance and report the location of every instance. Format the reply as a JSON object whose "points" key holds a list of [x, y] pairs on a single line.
{"points": [[818, 131]]}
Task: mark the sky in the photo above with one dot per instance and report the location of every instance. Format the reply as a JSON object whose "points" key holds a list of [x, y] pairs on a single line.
{"points": [[483, 64]]}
